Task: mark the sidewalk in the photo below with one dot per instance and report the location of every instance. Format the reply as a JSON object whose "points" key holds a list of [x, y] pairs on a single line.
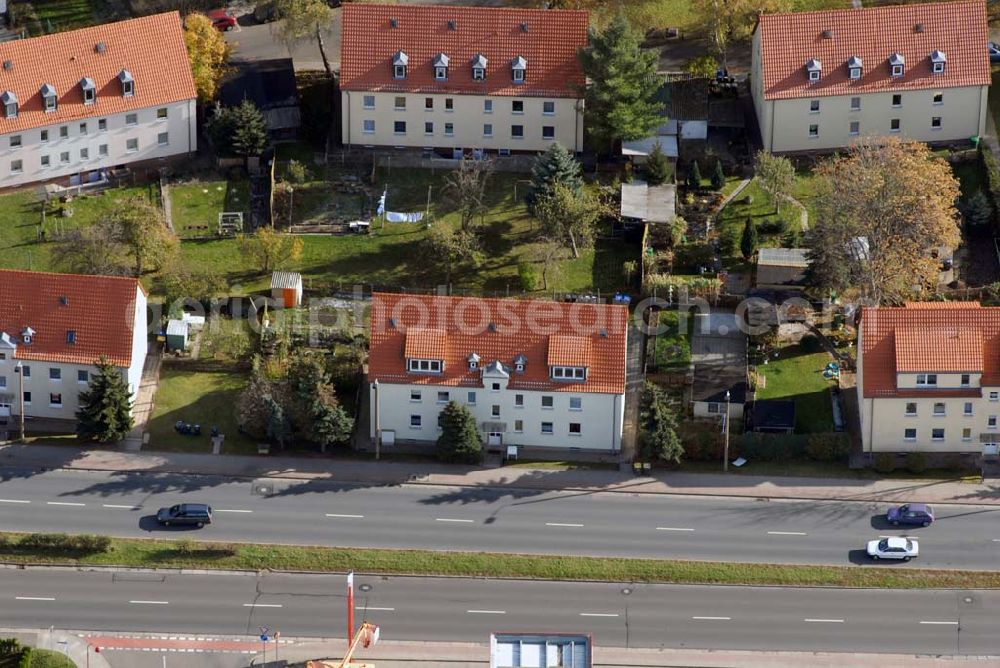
{"points": [[44, 457]]}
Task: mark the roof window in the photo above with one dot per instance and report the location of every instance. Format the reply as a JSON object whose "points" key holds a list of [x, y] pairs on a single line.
{"points": [[815, 69], [441, 67], [938, 61], [89, 90], [128, 83], [518, 67], [9, 100], [479, 67], [473, 361], [520, 361], [399, 63], [854, 67], [49, 97], [897, 64]]}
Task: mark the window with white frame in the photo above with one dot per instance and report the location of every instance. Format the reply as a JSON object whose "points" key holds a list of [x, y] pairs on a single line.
{"points": [[16, 166], [425, 366], [131, 120], [517, 106], [855, 104], [813, 131], [991, 422], [518, 401], [518, 426], [55, 399], [449, 129], [935, 123], [368, 102], [161, 114], [415, 396], [909, 434], [416, 421], [549, 108], [64, 157], [487, 129], [46, 161], [575, 429], [938, 99], [399, 127], [15, 141], [965, 379], [368, 126], [897, 100], [576, 403], [547, 428], [547, 401], [102, 150], [43, 136], [163, 139], [449, 104], [3, 382], [442, 397], [83, 128], [27, 398], [487, 106], [495, 387], [967, 408], [84, 154], [569, 373], [517, 131], [813, 106], [994, 396], [548, 132], [939, 408], [471, 398], [911, 408], [937, 434], [131, 145], [894, 125], [63, 131], [102, 125], [495, 410], [926, 380], [82, 376], [854, 128], [428, 128], [966, 434], [399, 103]]}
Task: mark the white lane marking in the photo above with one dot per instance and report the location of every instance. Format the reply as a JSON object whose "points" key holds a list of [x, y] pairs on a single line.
{"points": [[263, 605], [721, 619], [941, 623], [598, 614], [150, 602], [487, 612], [787, 533], [229, 510], [449, 519], [369, 607], [825, 621], [353, 517], [673, 529], [561, 524], [995, 540], [115, 505], [13, 501], [64, 503], [33, 598]]}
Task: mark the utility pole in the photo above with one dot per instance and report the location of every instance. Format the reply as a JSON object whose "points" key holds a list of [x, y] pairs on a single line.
{"points": [[20, 387], [725, 454], [378, 421]]}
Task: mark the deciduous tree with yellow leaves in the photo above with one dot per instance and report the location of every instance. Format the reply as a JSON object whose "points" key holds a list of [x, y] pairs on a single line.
{"points": [[208, 52]]}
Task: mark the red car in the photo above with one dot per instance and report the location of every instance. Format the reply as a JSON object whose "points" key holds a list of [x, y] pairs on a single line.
{"points": [[222, 20]]}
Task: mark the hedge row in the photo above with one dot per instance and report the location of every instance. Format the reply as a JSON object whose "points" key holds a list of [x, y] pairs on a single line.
{"points": [[992, 168]]}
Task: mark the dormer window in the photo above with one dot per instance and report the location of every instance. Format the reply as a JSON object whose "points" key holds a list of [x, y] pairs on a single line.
{"points": [[49, 98], [814, 68], [568, 373], [399, 62], [854, 67], [89, 90], [128, 83], [424, 366], [938, 61], [517, 69], [520, 361], [479, 67], [897, 64], [441, 67], [9, 104], [473, 361], [27, 334]]}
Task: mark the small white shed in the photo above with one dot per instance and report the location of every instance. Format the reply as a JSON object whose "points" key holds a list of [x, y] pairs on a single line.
{"points": [[177, 335], [286, 288]]}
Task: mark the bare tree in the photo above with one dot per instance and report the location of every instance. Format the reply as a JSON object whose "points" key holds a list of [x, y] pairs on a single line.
{"points": [[298, 20], [775, 175], [467, 185]]}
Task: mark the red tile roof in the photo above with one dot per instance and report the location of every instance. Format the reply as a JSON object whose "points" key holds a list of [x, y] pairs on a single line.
{"points": [[533, 328], [100, 309], [429, 344], [151, 48], [925, 338], [959, 29], [549, 45]]}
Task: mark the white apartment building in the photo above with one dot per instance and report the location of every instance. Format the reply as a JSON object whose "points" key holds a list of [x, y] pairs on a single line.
{"points": [[53, 329], [929, 378], [823, 80], [536, 374], [451, 78], [101, 97]]}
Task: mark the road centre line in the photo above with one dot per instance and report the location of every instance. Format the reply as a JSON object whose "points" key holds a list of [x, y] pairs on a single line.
{"points": [[150, 602], [598, 614], [673, 529], [369, 607], [721, 619], [263, 605], [561, 524], [940, 623], [64, 503], [825, 621], [353, 517], [13, 501], [115, 505], [486, 612], [787, 533], [33, 598], [231, 510], [449, 519]]}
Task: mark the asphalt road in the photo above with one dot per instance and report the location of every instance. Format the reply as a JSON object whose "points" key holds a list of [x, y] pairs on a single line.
{"points": [[488, 519], [469, 609]]}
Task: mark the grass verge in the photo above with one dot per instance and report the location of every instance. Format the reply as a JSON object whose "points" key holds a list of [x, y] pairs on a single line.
{"points": [[236, 556]]}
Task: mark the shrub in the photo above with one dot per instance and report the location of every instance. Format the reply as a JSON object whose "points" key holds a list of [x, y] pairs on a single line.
{"points": [[9, 646], [810, 344], [60, 542], [992, 176], [185, 547], [297, 172], [773, 226], [528, 275], [841, 337], [885, 462], [916, 462], [828, 447]]}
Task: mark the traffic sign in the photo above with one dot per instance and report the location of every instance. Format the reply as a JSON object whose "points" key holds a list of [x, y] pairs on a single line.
{"points": [[263, 637]]}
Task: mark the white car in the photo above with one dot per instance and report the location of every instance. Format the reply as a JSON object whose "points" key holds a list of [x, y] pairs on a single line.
{"points": [[895, 547]]}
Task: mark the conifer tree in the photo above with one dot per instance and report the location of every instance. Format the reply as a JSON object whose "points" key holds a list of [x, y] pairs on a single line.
{"points": [[105, 406], [459, 441], [694, 176], [718, 176], [657, 167], [748, 244], [556, 166]]}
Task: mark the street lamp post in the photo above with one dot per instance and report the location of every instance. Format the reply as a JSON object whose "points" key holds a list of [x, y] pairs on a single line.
{"points": [[378, 424], [725, 452], [19, 370]]}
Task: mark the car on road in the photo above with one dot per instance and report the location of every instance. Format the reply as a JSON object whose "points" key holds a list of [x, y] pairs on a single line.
{"points": [[911, 513], [994, 49], [185, 514], [222, 20], [894, 547]]}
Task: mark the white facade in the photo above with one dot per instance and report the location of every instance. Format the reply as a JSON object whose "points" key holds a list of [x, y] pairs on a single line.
{"points": [[461, 121], [97, 142], [52, 388]]}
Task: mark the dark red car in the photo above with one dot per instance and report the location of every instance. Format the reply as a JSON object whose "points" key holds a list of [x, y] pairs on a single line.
{"points": [[222, 20]]}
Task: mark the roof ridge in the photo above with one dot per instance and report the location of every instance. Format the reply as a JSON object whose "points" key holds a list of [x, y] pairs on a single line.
{"points": [[872, 9]]}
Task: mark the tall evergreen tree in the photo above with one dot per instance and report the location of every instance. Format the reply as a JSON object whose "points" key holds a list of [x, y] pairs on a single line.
{"points": [[239, 130], [657, 167], [459, 440], [749, 241], [659, 425], [621, 95], [556, 166], [694, 176], [105, 406], [718, 176]]}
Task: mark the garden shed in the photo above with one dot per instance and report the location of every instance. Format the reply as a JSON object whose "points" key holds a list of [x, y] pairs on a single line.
{"points": [[286, 288], [177, 335]]}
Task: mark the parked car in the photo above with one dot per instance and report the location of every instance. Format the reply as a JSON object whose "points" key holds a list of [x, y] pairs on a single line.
{"points": [[994, 50], [896, 547], [185, 514], [222, 20], [911, 513]]}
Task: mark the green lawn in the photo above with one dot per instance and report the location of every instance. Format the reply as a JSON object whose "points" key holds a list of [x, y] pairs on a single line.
{"points": [[204, 393], [196, 206], [672, 349], [798, 375], [39, 17]]}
